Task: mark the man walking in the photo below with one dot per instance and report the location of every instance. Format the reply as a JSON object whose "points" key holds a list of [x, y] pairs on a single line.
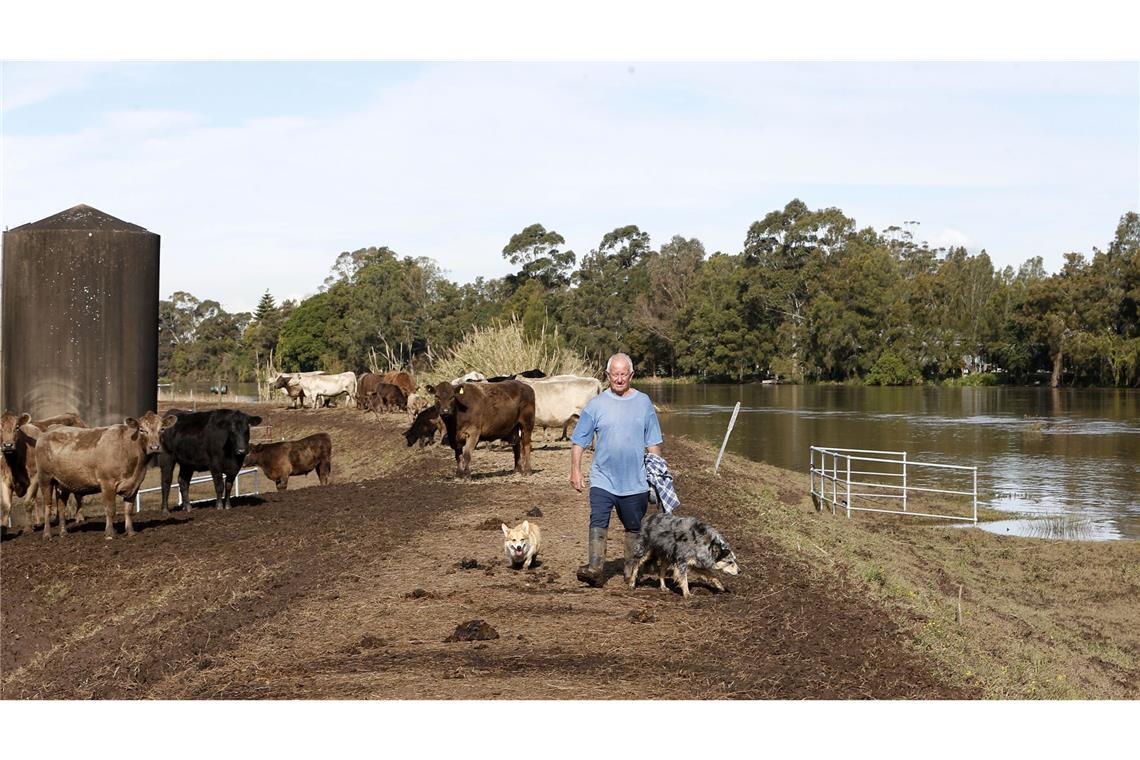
{"points": [[627, 427]]}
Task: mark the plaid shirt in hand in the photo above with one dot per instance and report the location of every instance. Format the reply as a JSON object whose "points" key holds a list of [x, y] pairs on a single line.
{"points": [[661, 480]]}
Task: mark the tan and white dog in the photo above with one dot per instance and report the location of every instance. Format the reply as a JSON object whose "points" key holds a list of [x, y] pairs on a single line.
{"points": [[522, 543]]}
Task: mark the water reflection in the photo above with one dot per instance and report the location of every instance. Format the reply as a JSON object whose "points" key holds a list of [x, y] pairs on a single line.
{"points": [[1059, 453]]}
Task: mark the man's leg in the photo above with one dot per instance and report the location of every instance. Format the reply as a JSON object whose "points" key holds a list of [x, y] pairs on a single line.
{"points": [[631, 511], [601, 503]]}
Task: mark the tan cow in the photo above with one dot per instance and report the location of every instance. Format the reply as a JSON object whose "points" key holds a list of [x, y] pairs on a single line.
{"points": [[18, 463], [559, 399], [278, 461], [109, 460]]}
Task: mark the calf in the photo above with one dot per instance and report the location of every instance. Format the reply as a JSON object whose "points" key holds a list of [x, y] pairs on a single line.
{"points": [[292, 389], [216, 441], [278, 461], [424, 427], [476, 412], [108, 460], [384, 397]]}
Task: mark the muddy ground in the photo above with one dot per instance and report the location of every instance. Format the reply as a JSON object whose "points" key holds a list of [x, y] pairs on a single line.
{"points": [[351, 591]]}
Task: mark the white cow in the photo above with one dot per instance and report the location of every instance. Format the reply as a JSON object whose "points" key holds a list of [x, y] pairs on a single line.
{"points": [[558, 399], [470, 377], [323, 388], [319, 388]]}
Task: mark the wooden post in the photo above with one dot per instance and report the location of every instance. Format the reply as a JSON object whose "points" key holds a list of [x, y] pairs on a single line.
{"points": [[727, 433]]}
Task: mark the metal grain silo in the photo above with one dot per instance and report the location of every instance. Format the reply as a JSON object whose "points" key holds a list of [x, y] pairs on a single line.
{"points": [[80, 317]]}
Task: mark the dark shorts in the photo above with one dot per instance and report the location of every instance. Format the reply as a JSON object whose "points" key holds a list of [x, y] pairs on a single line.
{"points": [[631, 509]]}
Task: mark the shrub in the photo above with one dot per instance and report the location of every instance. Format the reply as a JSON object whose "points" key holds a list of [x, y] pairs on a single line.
{"points": [[977, 378], [890, 369], [503, 349]]}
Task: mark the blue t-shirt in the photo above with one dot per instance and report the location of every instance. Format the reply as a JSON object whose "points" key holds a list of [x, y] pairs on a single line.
{"points": [[625, 426]]}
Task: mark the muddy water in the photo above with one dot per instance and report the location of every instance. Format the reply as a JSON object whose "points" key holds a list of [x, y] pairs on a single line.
{"points": [[1068, 459]]}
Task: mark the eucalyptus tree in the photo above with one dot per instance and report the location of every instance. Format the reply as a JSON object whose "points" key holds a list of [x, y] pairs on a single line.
{"points": [[599, 314], [785, 253], [540, 255]]}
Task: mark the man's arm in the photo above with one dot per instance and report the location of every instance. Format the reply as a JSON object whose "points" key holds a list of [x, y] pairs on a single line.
{"points": [[576, 467], [654, 449]]}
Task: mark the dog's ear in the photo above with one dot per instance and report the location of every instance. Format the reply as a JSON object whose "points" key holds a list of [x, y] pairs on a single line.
{"points": [[506, 530], [526, 526]]}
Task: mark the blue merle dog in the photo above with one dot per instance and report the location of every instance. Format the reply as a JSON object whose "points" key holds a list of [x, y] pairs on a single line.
{"points": [[686, 545]]}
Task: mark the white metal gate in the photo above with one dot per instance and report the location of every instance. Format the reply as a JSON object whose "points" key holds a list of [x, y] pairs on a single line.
{"points": [[205, 479], [867, 480]]}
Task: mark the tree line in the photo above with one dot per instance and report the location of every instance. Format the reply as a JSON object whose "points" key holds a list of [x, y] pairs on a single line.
{"points": [[811, 297]]}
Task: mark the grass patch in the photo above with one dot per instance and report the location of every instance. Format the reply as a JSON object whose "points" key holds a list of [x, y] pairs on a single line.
{"points": [[504, 349]]}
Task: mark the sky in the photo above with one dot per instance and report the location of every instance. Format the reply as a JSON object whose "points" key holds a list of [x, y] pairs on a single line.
{"points": [[258, 174]]}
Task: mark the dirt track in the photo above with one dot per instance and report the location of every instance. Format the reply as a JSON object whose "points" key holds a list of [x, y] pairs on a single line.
{"points": [[349, 590]]}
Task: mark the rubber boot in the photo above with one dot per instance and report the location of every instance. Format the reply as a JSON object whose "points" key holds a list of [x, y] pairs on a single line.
{"points": [[594, 572], [631, 540]]}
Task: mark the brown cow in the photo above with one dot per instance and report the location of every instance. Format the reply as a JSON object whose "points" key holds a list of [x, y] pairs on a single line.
{"points": [[474, 412], [18, 461], [109, 460], [401, 380], [371, 381], [280, 460], [385, 397]]}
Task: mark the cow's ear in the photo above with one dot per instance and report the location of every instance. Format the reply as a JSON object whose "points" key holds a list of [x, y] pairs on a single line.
{"points": [[168, 420], [506, 530], [131, 422], [254, 421], [24, 420]]}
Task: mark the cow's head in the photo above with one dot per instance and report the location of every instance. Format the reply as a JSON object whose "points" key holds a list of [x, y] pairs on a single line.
{"points": [[445, 398], [149, 429], [236, 426], [9, 425], [281, 382]]}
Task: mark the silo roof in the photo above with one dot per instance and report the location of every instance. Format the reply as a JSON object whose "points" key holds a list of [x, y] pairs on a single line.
{"points": [[81, 217]]}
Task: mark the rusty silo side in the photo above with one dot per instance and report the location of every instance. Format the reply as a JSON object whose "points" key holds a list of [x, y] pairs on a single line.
{"points": [[80, 317]]}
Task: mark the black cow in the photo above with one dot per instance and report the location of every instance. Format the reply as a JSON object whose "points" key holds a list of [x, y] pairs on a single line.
{"points": [[425, 426], [531, 373], [216, 441]]}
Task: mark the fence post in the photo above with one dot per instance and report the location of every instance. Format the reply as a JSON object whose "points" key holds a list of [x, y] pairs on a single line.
{"points": [[237, 484], [848, 485], [904, 481], [834, 480], [975, 495], [727, 433], [811, 470]]}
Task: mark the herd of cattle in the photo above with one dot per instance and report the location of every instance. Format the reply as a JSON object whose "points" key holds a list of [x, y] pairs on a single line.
{"points": [[49, 460]]}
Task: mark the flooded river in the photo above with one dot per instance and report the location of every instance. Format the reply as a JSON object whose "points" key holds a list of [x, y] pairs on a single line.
{"points": [[1068, 457]]}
